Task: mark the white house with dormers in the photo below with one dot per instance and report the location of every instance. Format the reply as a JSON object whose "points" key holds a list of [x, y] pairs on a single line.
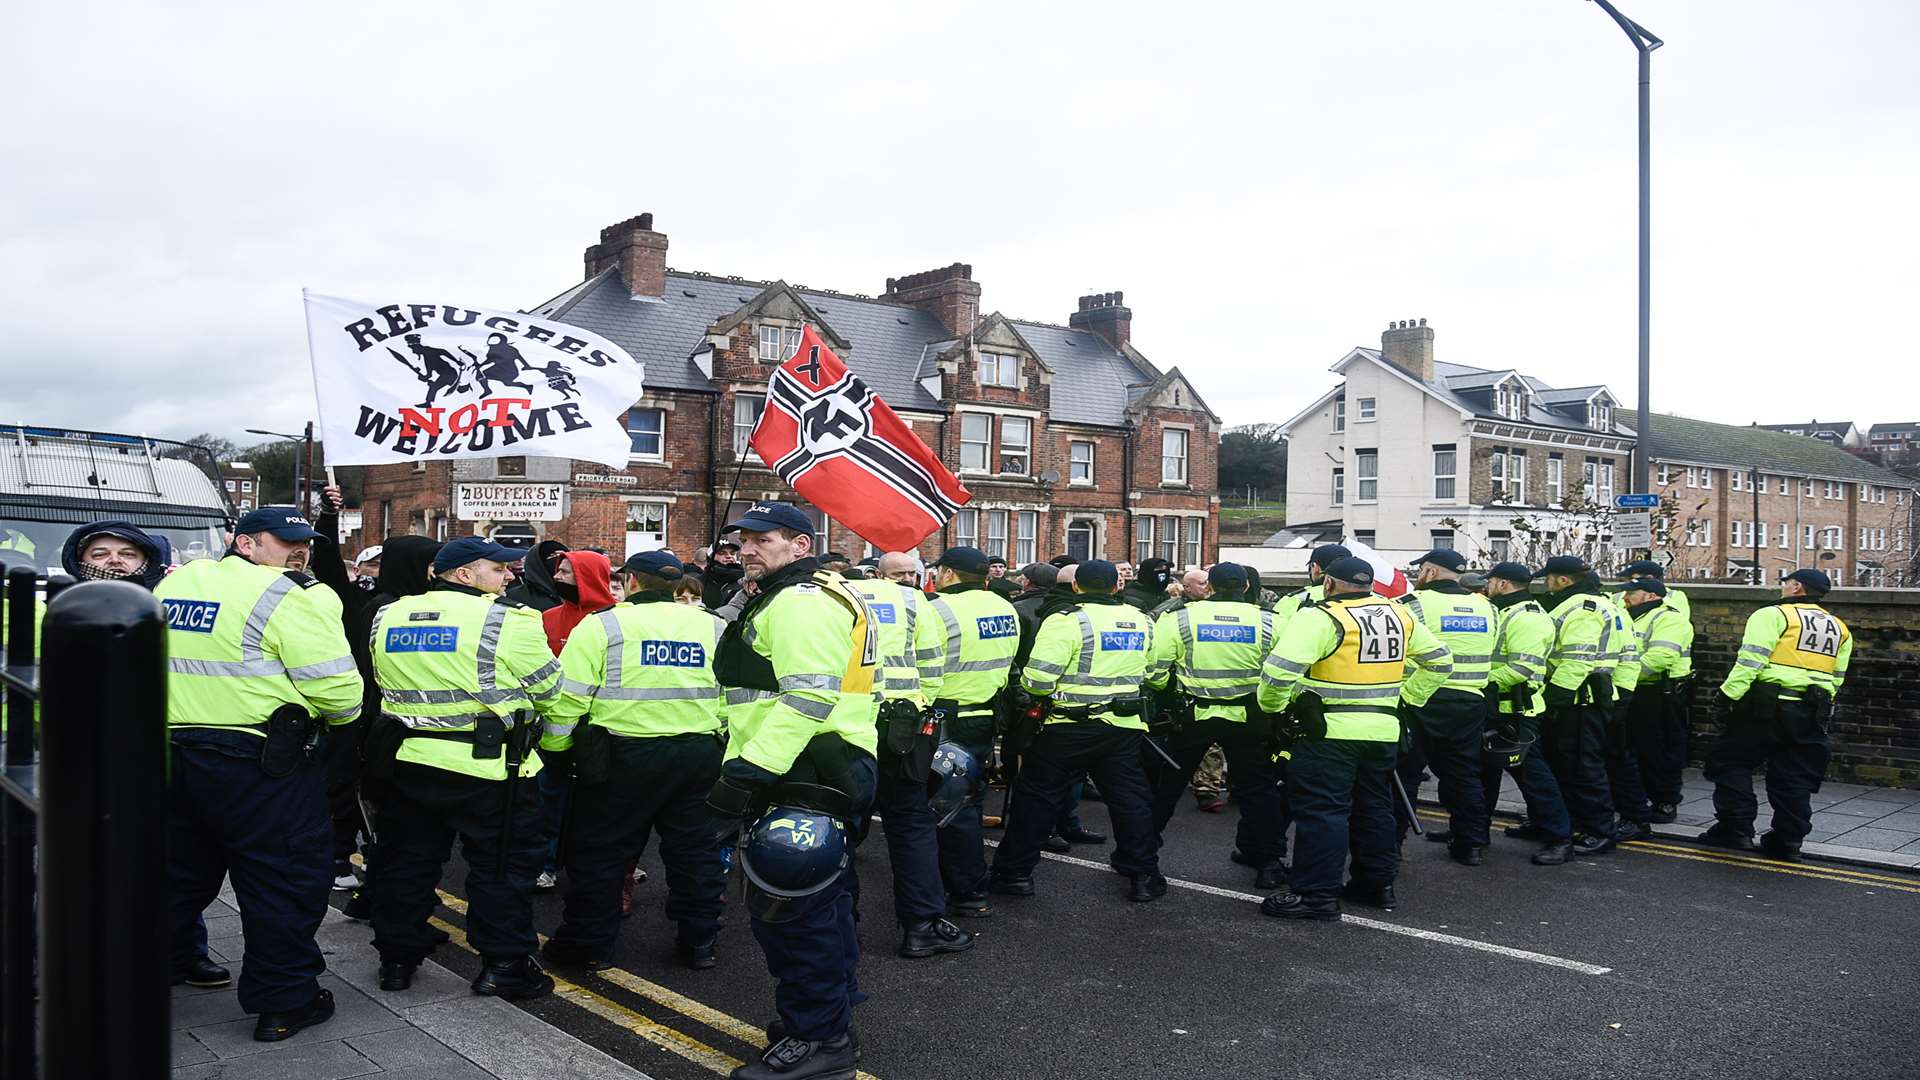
{"points": [[1402, 447]]}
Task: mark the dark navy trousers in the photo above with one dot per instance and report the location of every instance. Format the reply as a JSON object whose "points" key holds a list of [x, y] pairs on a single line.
{"points": [[274, 838], [1341, 791]]}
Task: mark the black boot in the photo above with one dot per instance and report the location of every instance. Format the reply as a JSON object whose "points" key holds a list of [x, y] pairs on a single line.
{"points": [[567, 954], [1375, 896], [274, 1026], [1726, 836], [1295, 906], [1083, 835], [1555, 853], [1665, 813], [1272, 875], [973, 905], [1592, 844], [1056, 845], [515, 979], [1778, 846], [1625, 830], [1527, 830], [396, 974], [1147, 888], [203, 973], [1011, 884], [1439, 836], [1466, 854], [799, 1059], [932, 937], [697, 951]]}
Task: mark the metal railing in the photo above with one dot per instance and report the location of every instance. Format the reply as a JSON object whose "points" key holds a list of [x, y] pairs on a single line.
{"points": [[92, 933]]}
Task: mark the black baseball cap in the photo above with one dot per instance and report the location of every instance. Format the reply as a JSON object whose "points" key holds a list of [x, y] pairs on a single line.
{"points": [[1643, 568], [1227, 577], [661, 564], [1444, 557], [457, 553], [1814, 580], [1324, 555], [768, 516], [967, 560], [1510, 571], [1351, 570], [1565, 564], [1652, 585], [284, 522], [1096, 576]]}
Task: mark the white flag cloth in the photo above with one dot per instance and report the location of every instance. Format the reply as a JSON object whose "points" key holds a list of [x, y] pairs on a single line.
{"points": [[1388, 580], [403, 381]]}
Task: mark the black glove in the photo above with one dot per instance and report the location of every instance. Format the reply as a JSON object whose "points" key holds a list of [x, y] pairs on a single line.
{"points": [[1558, 696], [558, 762], [738, 792], [1723, 708]]}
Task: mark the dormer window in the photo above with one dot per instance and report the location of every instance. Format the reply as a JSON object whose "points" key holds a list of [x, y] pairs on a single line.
{"points": [[778, 343], [1600, 414], [1510, 399], [999, 369]]}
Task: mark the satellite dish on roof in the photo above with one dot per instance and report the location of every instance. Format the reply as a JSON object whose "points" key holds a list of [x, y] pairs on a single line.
{"points": [[1051, 476]]}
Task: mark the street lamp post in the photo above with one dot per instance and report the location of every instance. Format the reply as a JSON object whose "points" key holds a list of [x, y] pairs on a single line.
{"points": [[303, 483], [1644, 43]]}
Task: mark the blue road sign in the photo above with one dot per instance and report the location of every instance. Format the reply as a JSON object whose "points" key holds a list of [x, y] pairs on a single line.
{"points": [[1636, 502]]}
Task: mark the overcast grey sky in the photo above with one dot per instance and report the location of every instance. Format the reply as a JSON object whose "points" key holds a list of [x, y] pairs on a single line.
{"points": [[1268, 183]]}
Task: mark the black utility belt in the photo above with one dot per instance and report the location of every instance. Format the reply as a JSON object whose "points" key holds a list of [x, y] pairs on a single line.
{"points": [[289, 737], [489, 736]]}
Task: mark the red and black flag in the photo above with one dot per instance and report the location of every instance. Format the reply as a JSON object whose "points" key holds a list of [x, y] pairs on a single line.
{"points": [[832, 440]]}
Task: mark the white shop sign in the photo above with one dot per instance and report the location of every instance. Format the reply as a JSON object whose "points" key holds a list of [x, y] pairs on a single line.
{"points": [[489, 501]]}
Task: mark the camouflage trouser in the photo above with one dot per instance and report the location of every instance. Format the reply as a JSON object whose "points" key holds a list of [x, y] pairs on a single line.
{"points": [[1210, 779]]}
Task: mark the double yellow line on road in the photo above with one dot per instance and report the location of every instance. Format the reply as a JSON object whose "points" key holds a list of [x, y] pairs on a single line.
{"points": [[1818, 872], [669, 1039]]}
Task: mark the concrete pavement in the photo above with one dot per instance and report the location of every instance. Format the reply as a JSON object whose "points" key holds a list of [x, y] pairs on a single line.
{"points": [[437, 1030]]}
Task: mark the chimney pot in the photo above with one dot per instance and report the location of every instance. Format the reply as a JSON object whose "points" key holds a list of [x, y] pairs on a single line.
{"points": [[1105, 315], [948, 292], [639, 253], [1408, 345]]}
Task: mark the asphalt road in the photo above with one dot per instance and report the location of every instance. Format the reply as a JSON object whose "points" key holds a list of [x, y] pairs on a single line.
{"points": [[1662, 960]]}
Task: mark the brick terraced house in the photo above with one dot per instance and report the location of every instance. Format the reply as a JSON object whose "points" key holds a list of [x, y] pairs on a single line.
{"points": [[1068, 437]]}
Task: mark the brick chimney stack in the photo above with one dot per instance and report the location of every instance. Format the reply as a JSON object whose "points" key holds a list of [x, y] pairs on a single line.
{"points": [[1105, 314], [638, 252], [950, 293], [1408, 345]]}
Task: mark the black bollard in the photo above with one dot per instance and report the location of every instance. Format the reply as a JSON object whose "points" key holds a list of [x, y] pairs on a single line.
{"points": [[105, 950]]}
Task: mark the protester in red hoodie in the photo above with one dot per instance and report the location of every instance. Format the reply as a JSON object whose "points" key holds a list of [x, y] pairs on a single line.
{"points": [[584, 581]]}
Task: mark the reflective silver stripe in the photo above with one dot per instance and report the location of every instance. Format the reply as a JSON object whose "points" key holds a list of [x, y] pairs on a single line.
{"points": [[549, 693], [1518, 658], [451, 697], [1091, 697], [912, 604], [1469, 678], [924, 655], [810, 682], [616, 648], [1281, 663], [891, 683], [579, 688], [1220, 691], [1001, 664], [1434, 654], [321, 670], [1042, 665], [1102, 680], [660, 693], [490, 645], [445, 723], [1579, 650], [1412, 603], [1472, 658], [373, 633], [253, 635], [719, 626], [1222, 673], [1755, 664], [225, 668], [1527, 671], [1266, 630], [560, 729], [1357, 692], [1757, 650], [743, 696], [544, 672], [952, 622], [341, 716], [1185, 620], [1086, 642], [818, 710]]}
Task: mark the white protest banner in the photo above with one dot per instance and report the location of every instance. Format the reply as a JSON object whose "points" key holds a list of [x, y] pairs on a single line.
{"points": [[418, 382]]}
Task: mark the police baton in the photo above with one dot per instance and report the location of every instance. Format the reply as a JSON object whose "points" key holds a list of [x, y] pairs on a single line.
{"points": [[1400, 789]]}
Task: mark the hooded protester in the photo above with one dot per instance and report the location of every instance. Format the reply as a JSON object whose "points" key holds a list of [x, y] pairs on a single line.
{"points": [[535, 587], [92, 554], [723, 574], [584, 586], [1148, 589]]}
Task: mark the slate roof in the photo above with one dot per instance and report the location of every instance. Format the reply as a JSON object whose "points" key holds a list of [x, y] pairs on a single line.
{"points": [[1888, 429], [1467, 388], [893, 345], [1677, 438]]}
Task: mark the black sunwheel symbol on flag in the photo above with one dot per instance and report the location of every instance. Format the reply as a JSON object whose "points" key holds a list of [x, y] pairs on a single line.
{"points": [[837, 421]]}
